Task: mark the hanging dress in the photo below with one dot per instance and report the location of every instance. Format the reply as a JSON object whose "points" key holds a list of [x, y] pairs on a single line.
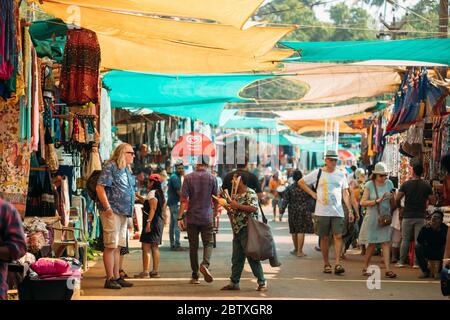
{"points": [[80, 68]]}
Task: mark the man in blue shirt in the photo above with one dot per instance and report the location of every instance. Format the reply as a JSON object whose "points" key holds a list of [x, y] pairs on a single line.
{"points": [[174, 193], [115, 190]]}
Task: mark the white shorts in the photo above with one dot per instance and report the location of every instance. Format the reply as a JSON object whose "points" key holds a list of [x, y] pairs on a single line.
{"points": [[114, 230]]}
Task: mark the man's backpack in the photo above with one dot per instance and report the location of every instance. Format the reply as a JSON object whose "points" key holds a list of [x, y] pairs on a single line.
{"points": [[91, 185]]}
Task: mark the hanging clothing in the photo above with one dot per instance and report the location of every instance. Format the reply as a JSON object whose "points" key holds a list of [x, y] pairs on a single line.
{"points": [[8, 50], [80, 68], [105, 125]]}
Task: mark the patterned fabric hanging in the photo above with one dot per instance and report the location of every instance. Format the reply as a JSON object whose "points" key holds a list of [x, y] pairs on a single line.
{"points": [[8, 49], [80, 68]]}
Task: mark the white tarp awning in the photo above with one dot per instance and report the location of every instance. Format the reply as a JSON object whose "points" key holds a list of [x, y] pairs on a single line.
{"points": [[325, 113]]}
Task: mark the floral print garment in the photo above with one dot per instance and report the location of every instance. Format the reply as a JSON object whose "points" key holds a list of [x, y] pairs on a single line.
{"points": [[300, 208], [239, 219]]}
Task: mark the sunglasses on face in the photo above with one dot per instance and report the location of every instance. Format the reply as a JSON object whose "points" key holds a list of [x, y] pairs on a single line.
{"points": [[333, 160], [132, 153], [383, 175]]}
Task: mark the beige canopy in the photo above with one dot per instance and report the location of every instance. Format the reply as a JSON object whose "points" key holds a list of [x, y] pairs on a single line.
{"points": [[332, 83]]}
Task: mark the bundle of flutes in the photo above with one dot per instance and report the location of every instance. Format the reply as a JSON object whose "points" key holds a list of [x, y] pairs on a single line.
{"points": [[225, 197]]}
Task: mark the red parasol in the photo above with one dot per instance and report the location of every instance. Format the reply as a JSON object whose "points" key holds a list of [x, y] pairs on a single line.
{"points": [[193, 144]]}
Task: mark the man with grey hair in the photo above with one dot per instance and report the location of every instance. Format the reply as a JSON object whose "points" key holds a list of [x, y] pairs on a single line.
{"points": [[116, 195], [331, 186]]}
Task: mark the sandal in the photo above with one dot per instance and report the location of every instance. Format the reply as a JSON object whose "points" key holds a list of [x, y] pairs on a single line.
{"points": [[123, 274], [327, 269], [338, 269], [154, 274], [365, 273], [390, 275]]}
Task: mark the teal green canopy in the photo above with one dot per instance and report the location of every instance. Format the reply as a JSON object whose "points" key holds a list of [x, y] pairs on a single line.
{"points": [[425, 50], [284, 139], [211, 113], [200, 97], [240, 122], [49, 38]]}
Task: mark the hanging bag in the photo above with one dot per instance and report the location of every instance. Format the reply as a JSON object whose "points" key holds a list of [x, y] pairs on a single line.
{"points": [[383, 219], [259, 243]]}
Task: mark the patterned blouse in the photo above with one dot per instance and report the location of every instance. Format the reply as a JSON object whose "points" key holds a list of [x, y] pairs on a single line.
{"points": [[239, 219]]}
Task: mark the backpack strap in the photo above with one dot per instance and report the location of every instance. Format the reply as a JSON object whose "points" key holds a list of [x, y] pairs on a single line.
{"points": [[318, 179]]}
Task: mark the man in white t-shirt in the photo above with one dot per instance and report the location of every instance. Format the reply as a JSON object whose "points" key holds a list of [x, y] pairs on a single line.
{"points": [[332, 187]]}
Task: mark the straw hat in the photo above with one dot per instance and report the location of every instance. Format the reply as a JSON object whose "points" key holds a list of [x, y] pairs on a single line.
{"points": [[331, 154], [359, 173], [380, 168]]}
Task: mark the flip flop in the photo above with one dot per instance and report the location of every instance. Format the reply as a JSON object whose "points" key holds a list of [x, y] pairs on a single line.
{"points": [[365, 273], [390, 275]]}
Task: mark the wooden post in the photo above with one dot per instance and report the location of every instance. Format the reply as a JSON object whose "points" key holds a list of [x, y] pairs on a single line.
{"points": [[443, 18]]}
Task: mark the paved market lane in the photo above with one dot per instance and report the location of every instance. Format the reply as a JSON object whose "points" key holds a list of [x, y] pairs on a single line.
{"points": [[297, 278]]}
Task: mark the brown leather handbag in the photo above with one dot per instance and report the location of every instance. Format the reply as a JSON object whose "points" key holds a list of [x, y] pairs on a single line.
{"points": [[383, 219]]}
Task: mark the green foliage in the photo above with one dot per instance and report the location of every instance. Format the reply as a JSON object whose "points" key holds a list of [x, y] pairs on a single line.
{"points": [[356, 19], [428, 9], [297, 12]]}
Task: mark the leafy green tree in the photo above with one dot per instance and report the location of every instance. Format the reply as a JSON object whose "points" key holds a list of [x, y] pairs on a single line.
{"points": [[356, 19], [428, 9], [299, 12]]}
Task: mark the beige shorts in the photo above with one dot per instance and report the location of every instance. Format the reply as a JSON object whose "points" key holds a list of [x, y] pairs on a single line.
{"points": [[114, 230]]}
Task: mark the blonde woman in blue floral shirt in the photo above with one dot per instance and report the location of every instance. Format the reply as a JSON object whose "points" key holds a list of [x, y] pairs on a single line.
{"points": [[244, 205]]}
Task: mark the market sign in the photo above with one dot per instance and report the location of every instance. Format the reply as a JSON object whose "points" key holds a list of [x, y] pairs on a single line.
{"points": [[192, 145]]}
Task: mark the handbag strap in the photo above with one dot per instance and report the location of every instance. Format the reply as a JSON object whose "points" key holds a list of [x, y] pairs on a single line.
{"points": [[262, 213], [376, 194]]}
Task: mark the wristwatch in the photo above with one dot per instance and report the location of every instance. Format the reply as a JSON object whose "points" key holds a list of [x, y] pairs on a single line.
{"points": [[182, 217]]}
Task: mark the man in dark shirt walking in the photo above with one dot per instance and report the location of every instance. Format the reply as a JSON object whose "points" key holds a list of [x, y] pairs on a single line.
{"points": [[198, 189], [418, 194], [431, 243]]}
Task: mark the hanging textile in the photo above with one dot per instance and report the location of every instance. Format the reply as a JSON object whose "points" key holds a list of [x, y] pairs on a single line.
{"points": [[105, 125], [391, 156], [416, 99], [80, 68], [8, 50], [14, 157], [62, 199]]}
